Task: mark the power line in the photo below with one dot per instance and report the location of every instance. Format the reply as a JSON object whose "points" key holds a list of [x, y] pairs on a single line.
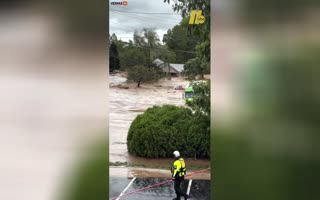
{"points": [[193, 38], [171, 20], [148, 19], [121, 29], [126, 59], [145, 12], [131, 28], [122, 24], [182, 51], [179, 39], [141, 13], [129, 36], [133, 60]]}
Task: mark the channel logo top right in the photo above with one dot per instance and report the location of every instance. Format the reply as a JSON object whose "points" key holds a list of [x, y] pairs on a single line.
{"points": [[196, 17]]}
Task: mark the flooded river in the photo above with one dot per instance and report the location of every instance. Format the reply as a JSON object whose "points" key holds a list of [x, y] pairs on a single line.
{"points": [[126, 104]]}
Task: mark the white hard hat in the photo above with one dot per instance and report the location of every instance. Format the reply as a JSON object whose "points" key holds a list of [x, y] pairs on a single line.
{"points": [[176, 153]]}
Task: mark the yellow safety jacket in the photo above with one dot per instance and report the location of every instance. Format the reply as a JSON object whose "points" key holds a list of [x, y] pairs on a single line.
{"points": [[179, 168]]}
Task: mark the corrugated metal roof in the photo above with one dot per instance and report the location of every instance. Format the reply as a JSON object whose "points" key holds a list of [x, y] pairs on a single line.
{"points": [[178, 67], [174, 68]]}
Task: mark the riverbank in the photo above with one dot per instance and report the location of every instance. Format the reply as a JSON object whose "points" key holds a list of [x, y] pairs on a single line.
{"points": [[160, 163], [156, 168]]}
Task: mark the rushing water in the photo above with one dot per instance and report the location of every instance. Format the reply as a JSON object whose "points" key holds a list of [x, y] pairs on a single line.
{"points": [[126, 104]]}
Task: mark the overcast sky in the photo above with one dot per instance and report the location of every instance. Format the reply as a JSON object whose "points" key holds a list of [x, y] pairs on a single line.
{"points": [[125, 19]]}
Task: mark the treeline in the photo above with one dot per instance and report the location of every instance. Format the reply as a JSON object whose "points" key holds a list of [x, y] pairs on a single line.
{"points": [[183, 44], [177, 46]]}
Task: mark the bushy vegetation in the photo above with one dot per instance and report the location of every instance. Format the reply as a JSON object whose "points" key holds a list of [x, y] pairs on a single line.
{"points": [[201, 99], [185, 43], [161, 130], [140, 74], [199, 63]]}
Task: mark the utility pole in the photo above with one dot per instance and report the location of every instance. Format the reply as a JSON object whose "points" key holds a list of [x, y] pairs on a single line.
{"points": [[166, 65], [169, 71]]}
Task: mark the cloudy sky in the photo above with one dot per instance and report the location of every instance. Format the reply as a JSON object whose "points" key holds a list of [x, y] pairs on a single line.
{"points": [[124, 20]]}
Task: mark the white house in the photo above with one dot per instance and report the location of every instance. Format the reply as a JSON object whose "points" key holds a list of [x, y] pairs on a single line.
{"points": [[172, 68]]}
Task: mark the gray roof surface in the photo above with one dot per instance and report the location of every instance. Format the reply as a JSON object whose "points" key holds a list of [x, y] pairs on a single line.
{"points": [[177, 67]]}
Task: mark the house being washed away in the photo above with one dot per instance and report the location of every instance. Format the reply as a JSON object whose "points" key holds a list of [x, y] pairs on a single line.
{"points": [[173, 69]]}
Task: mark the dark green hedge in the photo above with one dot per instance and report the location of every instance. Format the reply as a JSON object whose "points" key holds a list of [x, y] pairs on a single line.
{"points": [[161, 130]]}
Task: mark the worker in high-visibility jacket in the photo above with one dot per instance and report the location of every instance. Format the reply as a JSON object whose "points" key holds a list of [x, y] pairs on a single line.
{"points": [[178, 171]]}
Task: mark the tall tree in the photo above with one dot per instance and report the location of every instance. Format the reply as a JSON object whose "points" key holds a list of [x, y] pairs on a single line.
{"points": [[165, 54], [201, 30], [141, 74], [130, 55], [191, 68], [148, 40], [114, 62], [113, 37], [178, 38]]}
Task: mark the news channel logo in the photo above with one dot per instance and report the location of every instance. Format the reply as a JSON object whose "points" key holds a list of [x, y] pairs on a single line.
{"points": [[119, 3]]}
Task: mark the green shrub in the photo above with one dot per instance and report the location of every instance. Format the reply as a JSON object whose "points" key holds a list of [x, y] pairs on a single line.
{"points": [[161, 130]]}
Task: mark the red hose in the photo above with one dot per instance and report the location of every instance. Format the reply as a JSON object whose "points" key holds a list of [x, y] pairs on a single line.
{"points": [[161, 183]]}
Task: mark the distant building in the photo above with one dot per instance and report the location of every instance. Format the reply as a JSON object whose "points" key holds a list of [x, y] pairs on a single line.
{"points": [[172, 68], [178, 68]]}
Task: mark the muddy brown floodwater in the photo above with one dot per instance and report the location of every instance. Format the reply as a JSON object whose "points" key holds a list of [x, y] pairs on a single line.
{"points": [[126, 101]]}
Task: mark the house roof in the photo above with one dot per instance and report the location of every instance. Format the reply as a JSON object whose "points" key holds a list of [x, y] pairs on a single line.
{"points": [[174, 68], [178, 67]]}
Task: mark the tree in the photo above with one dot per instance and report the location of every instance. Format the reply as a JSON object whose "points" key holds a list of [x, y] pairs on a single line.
{"points": [[113, 37], [202, 31], [131, 56], [191, 68], [142, 50], [163, 53], [148, 40], [114, 61], [179, 39], [141, 74], [201, 105], [185, 9], [201, 98]]}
